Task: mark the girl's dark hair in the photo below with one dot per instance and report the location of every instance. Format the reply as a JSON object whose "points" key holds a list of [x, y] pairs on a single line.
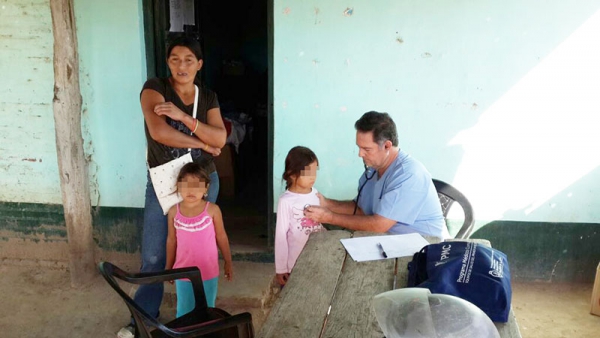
{"points": [[188, 42], [298, 158], [195, 170]]}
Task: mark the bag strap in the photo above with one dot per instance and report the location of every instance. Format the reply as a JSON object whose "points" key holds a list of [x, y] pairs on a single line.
{"points": [[195, 110], [194, 113]]}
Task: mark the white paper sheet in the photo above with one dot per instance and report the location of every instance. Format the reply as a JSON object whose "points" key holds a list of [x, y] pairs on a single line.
{"points": [[363, 249]]}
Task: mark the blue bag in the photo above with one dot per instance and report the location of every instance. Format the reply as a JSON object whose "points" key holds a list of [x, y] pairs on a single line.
{"points": [[471, 271]]}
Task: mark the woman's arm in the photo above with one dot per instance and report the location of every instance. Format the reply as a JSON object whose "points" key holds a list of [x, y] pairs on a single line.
{"points": [[222, 240], [171, 238], [213, 132], [159, 130]]}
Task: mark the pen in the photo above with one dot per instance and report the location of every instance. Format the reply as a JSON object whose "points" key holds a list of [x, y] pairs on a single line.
{"points": [[382, 251]]}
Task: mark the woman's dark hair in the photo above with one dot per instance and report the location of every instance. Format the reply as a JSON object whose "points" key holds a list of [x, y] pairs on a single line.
{"points": [[298, 158], [195, 170], [382, 126], [188, 42]]}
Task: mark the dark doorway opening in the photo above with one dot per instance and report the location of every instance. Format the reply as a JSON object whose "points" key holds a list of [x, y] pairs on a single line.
{"points": [[236, 39]]}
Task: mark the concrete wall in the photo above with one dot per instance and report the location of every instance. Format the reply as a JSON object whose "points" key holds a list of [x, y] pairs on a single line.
{"points": [[28, 164], [113, 70], [497, 98]]}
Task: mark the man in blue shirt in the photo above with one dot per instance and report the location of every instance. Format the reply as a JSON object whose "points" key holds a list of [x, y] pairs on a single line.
{"points": [[395, 194]]}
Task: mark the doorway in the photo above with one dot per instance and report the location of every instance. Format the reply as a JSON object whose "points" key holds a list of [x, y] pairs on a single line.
{"points": [[236, 39]]}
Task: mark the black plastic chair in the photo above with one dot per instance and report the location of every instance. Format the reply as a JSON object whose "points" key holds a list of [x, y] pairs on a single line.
{"points": [[200, 322], [448, 195]]}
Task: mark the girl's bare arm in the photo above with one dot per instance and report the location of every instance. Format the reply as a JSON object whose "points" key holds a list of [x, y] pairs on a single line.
{"points": [[222, 240], [171, 238]]}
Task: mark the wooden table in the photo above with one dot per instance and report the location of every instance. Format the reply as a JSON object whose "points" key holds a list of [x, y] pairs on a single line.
{"points": [[331, 295]]}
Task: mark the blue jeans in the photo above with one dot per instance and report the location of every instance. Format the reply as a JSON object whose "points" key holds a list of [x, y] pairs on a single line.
{"points": [[154, 239]]}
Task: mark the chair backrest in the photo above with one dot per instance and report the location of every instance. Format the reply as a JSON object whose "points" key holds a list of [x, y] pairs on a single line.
{"points": [[448, 195], [109, 272], [202, 321]]}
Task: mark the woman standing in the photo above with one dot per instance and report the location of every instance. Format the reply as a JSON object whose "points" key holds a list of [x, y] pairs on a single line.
{"points": [[167, 104]]}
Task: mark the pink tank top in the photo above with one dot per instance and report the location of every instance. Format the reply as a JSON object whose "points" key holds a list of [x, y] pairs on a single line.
{"points": [[196, 243]]}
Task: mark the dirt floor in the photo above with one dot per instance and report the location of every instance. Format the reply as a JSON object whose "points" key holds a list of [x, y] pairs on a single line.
{"points": [[38, 302], [555, 310]]}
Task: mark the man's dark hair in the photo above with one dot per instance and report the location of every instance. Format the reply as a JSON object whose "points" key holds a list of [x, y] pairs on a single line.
{"points": [[382, 126]]}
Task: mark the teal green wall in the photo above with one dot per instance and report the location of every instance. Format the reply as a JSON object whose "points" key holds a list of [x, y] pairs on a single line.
{"points": [[499, 99], [28, 166], [112, 72]]}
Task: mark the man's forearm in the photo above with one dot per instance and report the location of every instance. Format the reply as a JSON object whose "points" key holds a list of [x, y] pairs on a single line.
{"points": [[373, 223], [341, 207]]}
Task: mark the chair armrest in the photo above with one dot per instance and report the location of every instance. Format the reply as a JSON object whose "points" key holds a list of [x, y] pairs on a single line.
{"points": [[157, 277], [212, 325]]}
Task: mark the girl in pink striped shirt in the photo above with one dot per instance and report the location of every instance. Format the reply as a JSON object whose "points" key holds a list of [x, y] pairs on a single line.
{"points": [[195, 231]]}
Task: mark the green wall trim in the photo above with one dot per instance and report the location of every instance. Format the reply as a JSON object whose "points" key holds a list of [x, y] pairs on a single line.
{"points": [[545, 251], [115, 228], [542, 251]]}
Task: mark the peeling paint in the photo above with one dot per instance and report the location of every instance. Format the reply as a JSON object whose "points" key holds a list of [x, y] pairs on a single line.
{"points": [[399, 40], [28, 166], [349, 11]]}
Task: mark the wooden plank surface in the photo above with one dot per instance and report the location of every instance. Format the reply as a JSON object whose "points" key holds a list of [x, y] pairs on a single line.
{"points": [[352, 312], [304, 301], [302, 308], [510, 329]]}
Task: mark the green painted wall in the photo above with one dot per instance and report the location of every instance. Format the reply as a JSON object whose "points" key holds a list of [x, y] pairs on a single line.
{"points": [[28, 166], [497, 98], [113, 70]]}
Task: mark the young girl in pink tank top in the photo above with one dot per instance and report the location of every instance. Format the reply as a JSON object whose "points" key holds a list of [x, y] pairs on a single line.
{"points": [[195, 232]]}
